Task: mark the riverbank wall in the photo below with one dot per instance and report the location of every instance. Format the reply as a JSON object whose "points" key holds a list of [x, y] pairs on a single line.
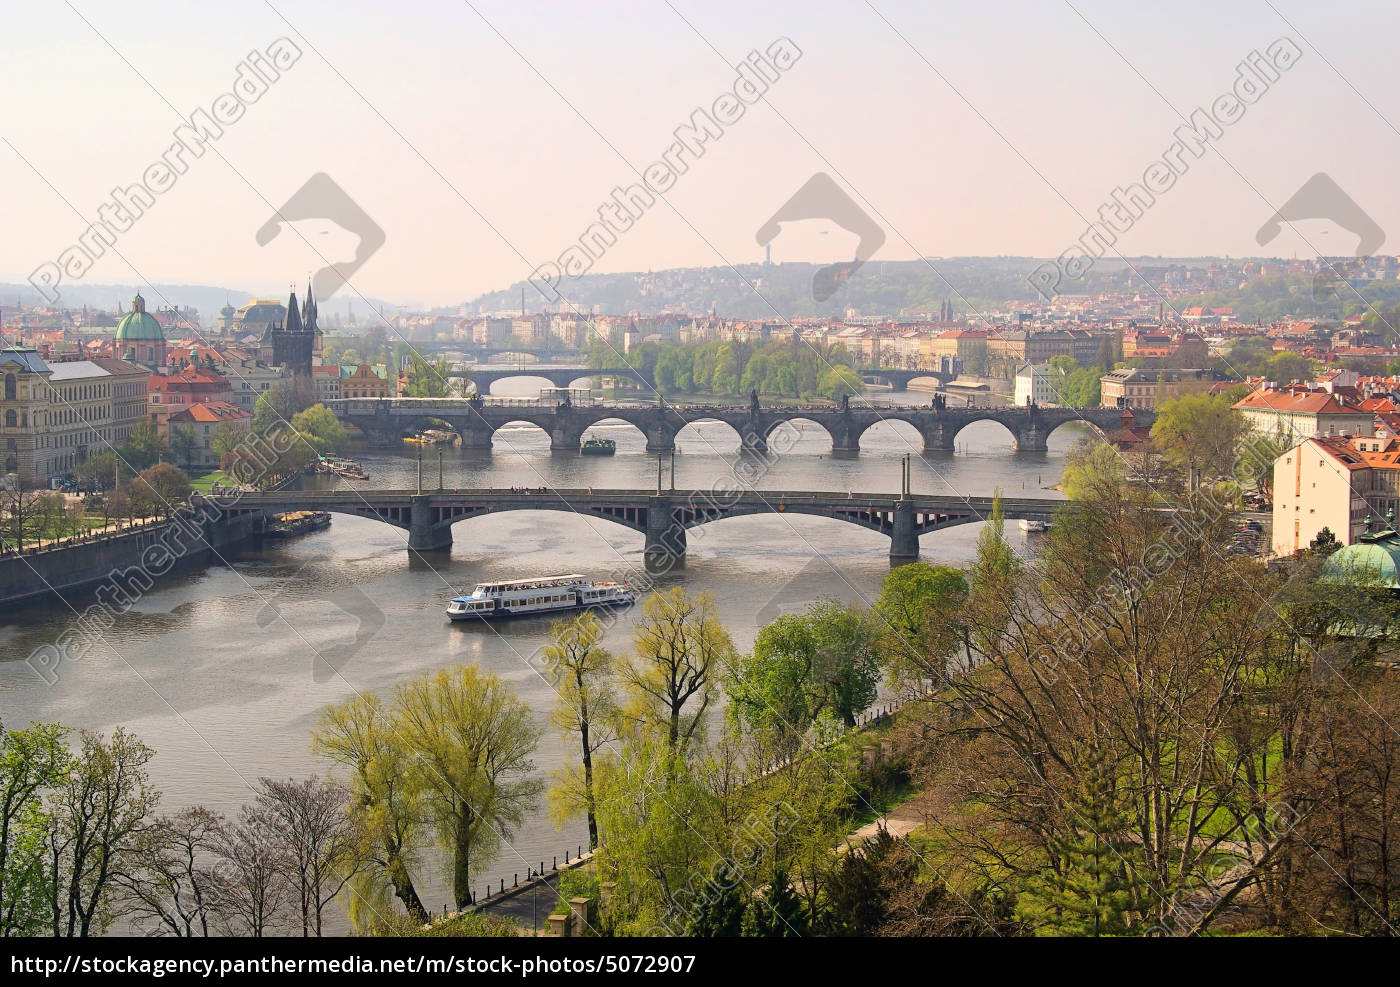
{"points": [[145, 554]]}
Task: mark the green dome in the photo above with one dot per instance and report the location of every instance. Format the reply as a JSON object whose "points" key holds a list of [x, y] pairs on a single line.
{"points": [[1372, 557], [138, 324]]}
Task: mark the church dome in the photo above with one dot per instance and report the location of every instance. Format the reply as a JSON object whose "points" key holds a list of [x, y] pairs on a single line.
{"points": [[1373, 559], [138, 324]]}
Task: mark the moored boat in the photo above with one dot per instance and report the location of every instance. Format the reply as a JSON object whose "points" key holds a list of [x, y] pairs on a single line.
{"points": [[598, 447], [537, 596], [293, 523], [1034, 527]]}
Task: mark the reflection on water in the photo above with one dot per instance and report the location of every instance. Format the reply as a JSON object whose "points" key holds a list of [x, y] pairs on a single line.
{"points": [[224, 672]]}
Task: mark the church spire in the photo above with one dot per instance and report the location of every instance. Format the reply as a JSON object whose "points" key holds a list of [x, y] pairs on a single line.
{"points": [[308, 310], [293, 323]]}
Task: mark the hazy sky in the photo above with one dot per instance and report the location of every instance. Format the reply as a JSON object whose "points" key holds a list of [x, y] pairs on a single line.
{"points": [[482, 137]]}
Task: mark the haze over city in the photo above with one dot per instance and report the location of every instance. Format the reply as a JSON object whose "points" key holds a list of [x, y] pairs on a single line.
{"points": [[482, 138]]}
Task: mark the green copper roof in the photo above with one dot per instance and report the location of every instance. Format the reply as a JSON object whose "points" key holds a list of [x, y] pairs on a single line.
{"points": [[139, 324], [1373, 557]]}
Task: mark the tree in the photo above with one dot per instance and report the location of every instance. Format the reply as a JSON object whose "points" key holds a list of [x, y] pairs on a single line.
{"points": [[359, 734], [428, 379], [160, 489], [319, 430], [1092, 886], [98, 815], [721, 912], [172, 882], [580, 670], [183, 444], [678, 646], [227, 437], [251, 891], [1093, 468], [98, 471], [1199, 434], [144, 447], [918, 607], [276, 405], [777, 914], [839, 382], [319, 845], [33, 761], [471, 739]]}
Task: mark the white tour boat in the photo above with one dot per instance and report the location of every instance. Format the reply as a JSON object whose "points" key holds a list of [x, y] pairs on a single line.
{"points": [[541, 595], [1034, 526]]}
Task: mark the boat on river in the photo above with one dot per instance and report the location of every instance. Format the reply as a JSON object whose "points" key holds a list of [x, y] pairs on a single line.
{"points": [[598, 447], [1034, 527], [538, 596], [292, 523]]}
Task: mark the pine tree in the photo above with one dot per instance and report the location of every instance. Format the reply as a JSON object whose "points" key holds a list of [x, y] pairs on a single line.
{"points": [[1096, 882], [721, 911], [778, 913]]}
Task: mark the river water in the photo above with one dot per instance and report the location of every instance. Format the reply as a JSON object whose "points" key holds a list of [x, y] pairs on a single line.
{"points": [[223, 672]]}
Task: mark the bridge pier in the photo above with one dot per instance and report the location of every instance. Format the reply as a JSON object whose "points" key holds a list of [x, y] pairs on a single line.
{"points": [[1031, 439], [475, 437], [665, 538], [660, 439], [424, 535], [904, 539], [565, 438], [939, 438], [752, 440]]}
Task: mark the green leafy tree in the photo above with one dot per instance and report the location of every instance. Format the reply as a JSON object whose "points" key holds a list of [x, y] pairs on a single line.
{"points": [[679, 647], [33, 762], [1093, 468], [918, 608], [183, 444], [1198, 433], [320, 430], [721, 908], [97, 817], [472, 740], [581, 671], [144, 446], [428, 378], [385, 796], [160, 490]]}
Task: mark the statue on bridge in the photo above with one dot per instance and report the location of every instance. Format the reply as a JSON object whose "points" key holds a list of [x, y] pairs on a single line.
{"points": [[845, 402], [753, 401]]}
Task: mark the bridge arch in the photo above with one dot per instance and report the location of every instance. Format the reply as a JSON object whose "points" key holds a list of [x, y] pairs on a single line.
{"points": [[989, 432], [613, 427], [702, 433], [798, 435], [892, 433], [523, 430], [1071, 430]]}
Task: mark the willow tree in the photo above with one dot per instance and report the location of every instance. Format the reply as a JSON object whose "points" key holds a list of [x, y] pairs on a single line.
{"points": [[471, 740], [580, 669], [679, 645], [359, 734]]}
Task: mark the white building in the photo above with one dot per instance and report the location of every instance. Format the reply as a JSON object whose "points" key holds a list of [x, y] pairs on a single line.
{"points": [[1344, 484], [1034, 384]]}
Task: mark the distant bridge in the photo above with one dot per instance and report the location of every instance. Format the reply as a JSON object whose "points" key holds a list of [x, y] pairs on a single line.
{"points": [[386, 420], [662, 517], [560, 376]]}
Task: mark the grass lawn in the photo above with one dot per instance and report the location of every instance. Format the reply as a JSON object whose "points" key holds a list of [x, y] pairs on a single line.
{"points": [[204, 482]]}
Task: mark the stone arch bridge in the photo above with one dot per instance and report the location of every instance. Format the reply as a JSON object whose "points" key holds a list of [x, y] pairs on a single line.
{"points": [[663, 518], [385, 421]]}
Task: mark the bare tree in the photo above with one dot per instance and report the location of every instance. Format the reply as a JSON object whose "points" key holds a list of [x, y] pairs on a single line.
{"points": [[250, 891], [172, 881], [320, 845]]}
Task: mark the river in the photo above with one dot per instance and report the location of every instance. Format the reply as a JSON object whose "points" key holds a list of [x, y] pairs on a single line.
{"points": [[223, 672]]}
